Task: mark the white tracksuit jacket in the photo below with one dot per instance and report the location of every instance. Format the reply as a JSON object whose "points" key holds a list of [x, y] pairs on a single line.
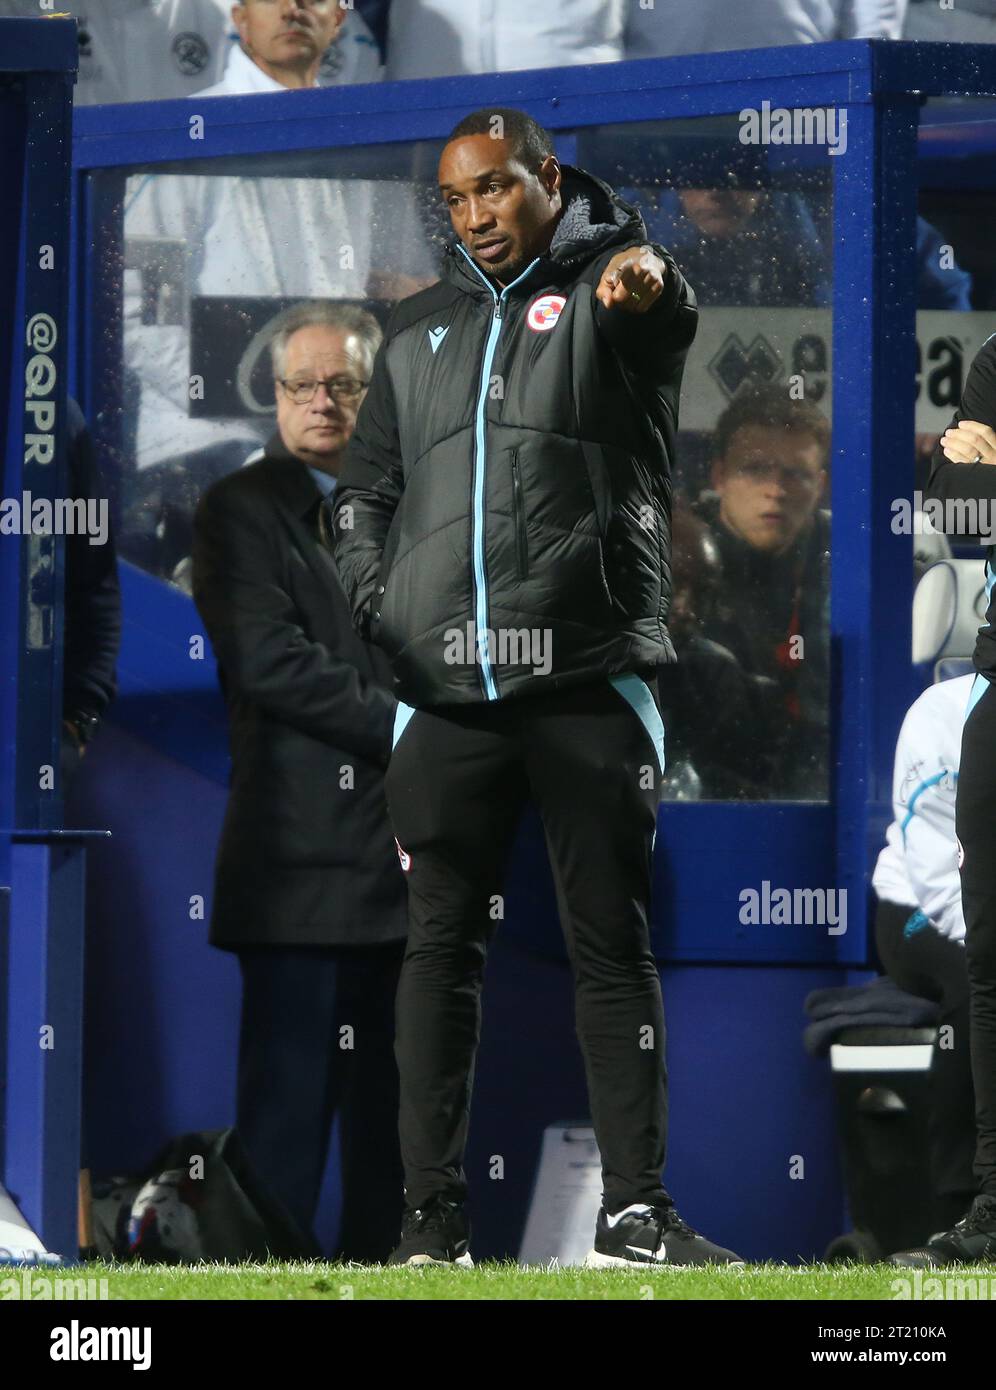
{"points": [[919, 865]]}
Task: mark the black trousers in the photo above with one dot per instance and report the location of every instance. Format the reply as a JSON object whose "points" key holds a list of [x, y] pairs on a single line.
{"points": [[590, 757], [933, 967], [976, 825], [299, 1065]]}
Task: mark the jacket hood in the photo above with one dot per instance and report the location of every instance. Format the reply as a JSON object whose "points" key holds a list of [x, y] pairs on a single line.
{"points": [[594, 219]]}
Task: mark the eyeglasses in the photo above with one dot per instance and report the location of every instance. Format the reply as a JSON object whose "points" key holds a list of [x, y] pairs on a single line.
{"points": [[797, 479], [342, 388]]}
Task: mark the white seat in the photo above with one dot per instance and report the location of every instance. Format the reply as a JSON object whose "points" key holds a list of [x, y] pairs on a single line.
{"points": [[949, 606]]}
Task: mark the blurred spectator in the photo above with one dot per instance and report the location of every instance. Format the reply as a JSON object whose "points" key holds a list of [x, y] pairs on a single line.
{"points": [[296, 43], [148, 50], [708, 26], [967, 21], [920, 926], [441, 38], [771, 612], [232, 238], [92, 631], [308, 889], [141, 50], [289, 237], [708, 699], [753, 247], [938, 286], [374, 14], [741, 246], [357, 57]]}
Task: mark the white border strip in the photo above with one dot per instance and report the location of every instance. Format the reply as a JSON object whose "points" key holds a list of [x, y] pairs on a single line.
{"points": [[895, 1057]]}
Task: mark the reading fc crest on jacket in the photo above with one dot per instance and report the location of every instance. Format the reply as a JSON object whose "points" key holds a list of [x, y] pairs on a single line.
{"points": [[404, 856], [544, 312]]}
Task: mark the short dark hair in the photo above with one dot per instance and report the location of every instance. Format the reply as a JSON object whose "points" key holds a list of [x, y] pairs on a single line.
{"points": [[531, 144], [769, 404]]}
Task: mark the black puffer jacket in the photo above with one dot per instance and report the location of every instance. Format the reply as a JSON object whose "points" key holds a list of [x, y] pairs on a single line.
{"points": [[510, 472]]}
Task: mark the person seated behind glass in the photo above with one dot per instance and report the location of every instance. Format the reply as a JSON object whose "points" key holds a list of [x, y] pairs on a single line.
{"points": [[751, 247], [769, 475], [708, 699], [920, 927], [744, 247]]}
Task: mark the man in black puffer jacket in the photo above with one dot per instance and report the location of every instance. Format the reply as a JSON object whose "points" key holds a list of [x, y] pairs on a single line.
{"points": [[502, 533]]}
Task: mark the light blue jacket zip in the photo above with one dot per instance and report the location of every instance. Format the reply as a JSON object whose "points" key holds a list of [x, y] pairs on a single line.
{"points": [[480, 462]]}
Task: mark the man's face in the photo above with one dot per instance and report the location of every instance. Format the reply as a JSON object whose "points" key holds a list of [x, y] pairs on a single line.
{"points": [[720, 212], [770, 484], [287, 33], [503, 214], [317, 431]]}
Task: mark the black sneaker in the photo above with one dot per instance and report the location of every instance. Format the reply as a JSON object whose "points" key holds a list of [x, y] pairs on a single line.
{"points": [[971, 1241], [644, 1235], [436, 1234]]}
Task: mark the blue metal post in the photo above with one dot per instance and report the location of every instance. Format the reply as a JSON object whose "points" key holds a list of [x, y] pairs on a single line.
{"points": [[874, 346], [42, 941]]}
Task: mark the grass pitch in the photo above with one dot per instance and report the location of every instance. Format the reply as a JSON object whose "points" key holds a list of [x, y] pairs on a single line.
{"points": [[320, 1281]]}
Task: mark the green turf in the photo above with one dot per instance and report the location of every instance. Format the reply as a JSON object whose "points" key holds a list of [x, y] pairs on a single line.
{"points": [[323, 1281]]}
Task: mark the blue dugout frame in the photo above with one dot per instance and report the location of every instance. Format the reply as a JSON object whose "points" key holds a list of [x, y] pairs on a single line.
{"points": [[41, 863], [707, 853]]}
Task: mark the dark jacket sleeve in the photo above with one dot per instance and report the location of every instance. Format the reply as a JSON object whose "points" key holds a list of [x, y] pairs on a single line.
{"points": [[263, 653], [367, 496], [972, 481], [92, 633], [651, 344]]}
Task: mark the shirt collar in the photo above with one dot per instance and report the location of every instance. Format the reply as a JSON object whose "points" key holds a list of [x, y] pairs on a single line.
{"points": [[301, 487], [244, 75], [325, 481]]}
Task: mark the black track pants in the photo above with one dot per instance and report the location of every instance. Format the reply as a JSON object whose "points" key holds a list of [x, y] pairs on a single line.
{"points": [[976, 824], [590, 757]]}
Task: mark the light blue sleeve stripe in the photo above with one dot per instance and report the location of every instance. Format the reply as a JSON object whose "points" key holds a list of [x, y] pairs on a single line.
{"points": [[401, 717], [978, 690], [637, 693], [947, 773]]}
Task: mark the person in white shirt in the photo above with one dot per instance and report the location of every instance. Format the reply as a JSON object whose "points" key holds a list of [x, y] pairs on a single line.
{"points": [[440, 38], [140, 50], [671, 27], [920, 928], [280, 237], [352, 57], [296, 44], [245, 236], [293, 238]]}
